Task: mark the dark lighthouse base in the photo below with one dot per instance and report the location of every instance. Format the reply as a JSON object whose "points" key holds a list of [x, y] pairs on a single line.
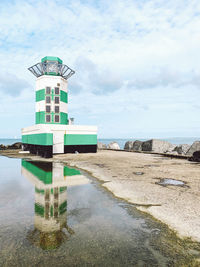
{"points": [[47, 151], [43, 151], [80, 149]]}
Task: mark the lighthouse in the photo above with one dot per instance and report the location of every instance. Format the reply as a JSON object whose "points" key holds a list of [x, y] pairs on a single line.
{"points": [[53, 132]]}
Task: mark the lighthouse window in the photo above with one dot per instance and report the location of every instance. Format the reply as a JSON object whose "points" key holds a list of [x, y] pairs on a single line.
{"points": [[57, 118], [48, 90], [57, 100], [57, 109], [57, 91], [48, 99], [48, 109], [48, 118]]}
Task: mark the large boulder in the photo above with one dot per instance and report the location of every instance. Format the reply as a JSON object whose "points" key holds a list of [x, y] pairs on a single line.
{"points": [[128, 145], [2, 147], [133, 145], [194, 147], [101, 145], [17, 145], [113, 145], [182, 149], [157, 146], [137, 145], [195, 156]]}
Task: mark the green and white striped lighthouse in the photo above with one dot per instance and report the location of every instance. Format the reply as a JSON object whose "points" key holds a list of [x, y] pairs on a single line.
{"points": [[51, 93], [53, 131]]}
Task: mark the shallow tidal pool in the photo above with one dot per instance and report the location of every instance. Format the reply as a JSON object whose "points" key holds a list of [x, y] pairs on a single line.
{"points": [[54, 215]]}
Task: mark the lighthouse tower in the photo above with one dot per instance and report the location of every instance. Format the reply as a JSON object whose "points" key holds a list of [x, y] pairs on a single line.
{"points": [[53, 132]]}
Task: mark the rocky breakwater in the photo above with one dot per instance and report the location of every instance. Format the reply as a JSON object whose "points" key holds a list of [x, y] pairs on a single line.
{"points": [[164, 147], [17, 145], [153, 145]]}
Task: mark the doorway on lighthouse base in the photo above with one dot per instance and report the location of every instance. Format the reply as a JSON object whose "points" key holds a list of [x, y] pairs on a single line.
{"points": [[58, 142]]}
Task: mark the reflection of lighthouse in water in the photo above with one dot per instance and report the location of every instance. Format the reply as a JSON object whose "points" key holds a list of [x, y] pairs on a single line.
{"points": [[51, 181]]}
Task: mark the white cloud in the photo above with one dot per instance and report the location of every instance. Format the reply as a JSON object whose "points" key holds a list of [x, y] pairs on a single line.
{"points": [[12, 85], [118, 49]]}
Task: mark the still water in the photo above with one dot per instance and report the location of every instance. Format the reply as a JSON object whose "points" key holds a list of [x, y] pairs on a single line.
{"points": [[53, 215]]}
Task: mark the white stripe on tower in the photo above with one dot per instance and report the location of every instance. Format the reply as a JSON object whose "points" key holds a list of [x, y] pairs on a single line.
{"points": [[40, 106], [52, 81]]}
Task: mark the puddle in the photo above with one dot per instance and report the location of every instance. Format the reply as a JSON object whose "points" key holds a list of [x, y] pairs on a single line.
{"points": [[138, 173], [54, 215], [168, 181]]}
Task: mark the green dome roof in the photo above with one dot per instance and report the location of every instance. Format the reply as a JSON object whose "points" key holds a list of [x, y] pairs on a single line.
{"points": [[47, 58]]}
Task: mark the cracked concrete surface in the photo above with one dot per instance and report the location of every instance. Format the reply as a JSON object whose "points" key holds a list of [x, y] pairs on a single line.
{"points": [[176, 206]]}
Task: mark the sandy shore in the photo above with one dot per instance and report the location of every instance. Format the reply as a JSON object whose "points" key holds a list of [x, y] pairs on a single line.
{"points": [[120, 173]]}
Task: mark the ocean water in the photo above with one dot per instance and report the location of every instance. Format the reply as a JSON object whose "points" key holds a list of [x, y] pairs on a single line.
{"points": [[121, 142]]}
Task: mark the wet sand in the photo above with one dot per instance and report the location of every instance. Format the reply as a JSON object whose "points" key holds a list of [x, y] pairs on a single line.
{"points": [[135, 176]]}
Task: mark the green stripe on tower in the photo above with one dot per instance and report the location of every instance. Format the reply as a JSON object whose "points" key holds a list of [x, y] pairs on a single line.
{"points": [[45, 139], [63, 96], [63, 118], [40, 95], [40, 118], [80, 139]]}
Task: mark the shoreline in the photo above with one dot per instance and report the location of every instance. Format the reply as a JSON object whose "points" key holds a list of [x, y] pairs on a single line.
{"points": [[134, 177]]}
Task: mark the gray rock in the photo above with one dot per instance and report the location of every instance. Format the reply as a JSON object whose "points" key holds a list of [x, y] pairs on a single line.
{"points": [[157, 146], [17, 145], [113, 145], [101, 145], [195, 156], [137, 145], [133, 145], [128, 145], [170, 148], [2, 147], [182, 149], [194, 147]]}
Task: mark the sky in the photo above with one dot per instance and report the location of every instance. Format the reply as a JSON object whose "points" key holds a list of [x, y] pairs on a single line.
{"points": [[137, 64]]}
